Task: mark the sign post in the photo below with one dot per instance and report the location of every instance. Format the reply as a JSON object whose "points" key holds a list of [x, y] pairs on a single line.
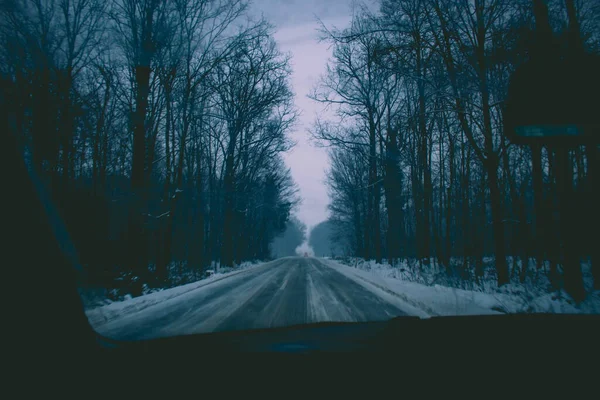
{"points": [[553, 101]]}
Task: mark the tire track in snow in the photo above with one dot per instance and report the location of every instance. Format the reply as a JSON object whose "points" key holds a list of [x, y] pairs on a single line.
{"points": [[289, 291]]}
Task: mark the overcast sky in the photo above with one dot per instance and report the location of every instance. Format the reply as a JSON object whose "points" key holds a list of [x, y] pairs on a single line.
{"points": [[297, 34]]}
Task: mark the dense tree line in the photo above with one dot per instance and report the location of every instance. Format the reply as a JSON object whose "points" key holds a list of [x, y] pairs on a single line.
{"points": [[326, 241], [285, 245], [157, 127], [420, 167]]}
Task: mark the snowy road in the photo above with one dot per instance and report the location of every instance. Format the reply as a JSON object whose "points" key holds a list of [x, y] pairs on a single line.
{"points": [[284, 292]]}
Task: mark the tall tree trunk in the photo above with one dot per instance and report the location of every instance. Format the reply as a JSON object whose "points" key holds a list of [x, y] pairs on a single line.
{"points": [[373, 233], [424, 167], [66, 128], [538, 215], [377, 222], [573, 277], [167, 187], [442, 252], [359, 248], [417, 197], [479, 233], [142, 78], [491, 162], [137, 251], [200, 244], [450, 204], [524, 236], [227, 250], [167, 231], [498, 226], [392, 187], [466, 207], [551, 231], [593, 176]]}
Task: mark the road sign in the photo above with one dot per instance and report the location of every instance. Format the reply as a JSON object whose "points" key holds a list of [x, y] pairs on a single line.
{"points": [[554, 100]]}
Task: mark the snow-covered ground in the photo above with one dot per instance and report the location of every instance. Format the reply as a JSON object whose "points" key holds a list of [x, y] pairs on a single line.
{"points": [[434, 299], [230, 300], [106, 313]]}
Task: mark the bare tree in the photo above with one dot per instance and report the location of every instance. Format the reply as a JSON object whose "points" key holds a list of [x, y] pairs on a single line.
{"points": [[119, 112], [356, 85], [253, 90], [443, 70]]}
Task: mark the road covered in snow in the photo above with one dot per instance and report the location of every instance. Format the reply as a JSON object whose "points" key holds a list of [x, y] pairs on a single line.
{"points": [[299, 290], [284, 292]]}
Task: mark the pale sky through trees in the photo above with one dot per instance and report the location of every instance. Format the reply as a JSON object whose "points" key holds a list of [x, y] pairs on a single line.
{"points": [[297, 33]]}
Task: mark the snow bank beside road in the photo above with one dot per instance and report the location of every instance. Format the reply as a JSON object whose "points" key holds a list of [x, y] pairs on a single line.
{"points": [[437, 300], [100, 315]]}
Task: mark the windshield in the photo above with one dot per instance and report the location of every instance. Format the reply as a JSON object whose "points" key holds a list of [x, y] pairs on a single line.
{"points": [[225, 165]]}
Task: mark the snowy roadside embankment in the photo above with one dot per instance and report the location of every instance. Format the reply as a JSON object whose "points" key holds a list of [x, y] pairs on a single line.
{"points": [[100, 315], [438, 300]]}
